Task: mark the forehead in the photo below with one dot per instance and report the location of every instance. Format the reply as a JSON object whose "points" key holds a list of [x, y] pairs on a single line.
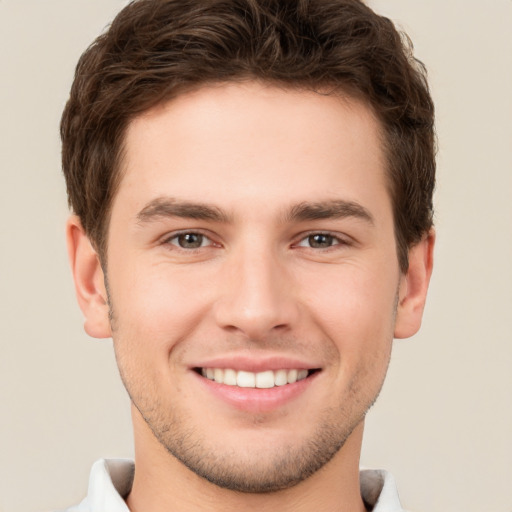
{"points": [[254, 144]]}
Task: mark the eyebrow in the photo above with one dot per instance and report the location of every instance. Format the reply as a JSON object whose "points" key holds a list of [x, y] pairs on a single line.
{"points": [[163, 207], [335, 209]]}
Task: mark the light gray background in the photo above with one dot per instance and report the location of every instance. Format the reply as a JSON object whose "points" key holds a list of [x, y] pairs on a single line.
{"points": [[443, 424]]}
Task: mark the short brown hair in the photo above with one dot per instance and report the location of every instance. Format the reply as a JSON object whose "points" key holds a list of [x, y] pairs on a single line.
{"points": [[157, 49]]}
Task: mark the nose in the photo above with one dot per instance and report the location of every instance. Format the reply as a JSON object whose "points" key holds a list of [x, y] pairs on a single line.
{"points": [[256, 296]]}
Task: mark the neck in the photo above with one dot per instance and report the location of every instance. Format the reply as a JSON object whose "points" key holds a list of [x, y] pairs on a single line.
{"points": [[162, 482]]}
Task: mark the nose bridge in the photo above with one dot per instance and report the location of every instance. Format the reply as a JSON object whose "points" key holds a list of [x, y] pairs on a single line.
{"points": [[256, 296]]}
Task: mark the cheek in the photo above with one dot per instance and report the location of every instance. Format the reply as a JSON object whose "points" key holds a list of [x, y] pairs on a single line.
{"points": [[156, 308], [354, 305]]}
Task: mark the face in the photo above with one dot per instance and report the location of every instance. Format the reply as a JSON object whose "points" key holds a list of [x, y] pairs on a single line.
{"points": [[253, 279]]}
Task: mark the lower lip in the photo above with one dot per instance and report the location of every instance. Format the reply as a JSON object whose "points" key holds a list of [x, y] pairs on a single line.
{"points": [[257, 400]]}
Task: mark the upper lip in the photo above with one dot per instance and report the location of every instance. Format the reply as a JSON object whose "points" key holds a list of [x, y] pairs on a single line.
{"points": [[257, 364]]}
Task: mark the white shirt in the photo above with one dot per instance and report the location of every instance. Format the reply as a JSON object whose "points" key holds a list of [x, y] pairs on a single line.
{"points": [[111, 480]]}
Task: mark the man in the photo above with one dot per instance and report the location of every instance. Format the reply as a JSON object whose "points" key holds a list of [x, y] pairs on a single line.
{"points": [[251, 184]]}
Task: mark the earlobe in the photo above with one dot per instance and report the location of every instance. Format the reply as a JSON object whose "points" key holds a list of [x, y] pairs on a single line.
{"points": [[89, 280], [413, 287]]}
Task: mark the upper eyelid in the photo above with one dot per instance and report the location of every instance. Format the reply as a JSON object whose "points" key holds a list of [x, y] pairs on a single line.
{"points": [[174, 234], [343, 238]]}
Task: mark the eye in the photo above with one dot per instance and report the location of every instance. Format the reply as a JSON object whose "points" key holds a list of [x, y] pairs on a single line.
{"points": [[319, 241], [189, 240]]}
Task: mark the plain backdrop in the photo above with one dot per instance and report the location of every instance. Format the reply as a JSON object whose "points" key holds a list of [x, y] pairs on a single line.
{"points": [[443, 423]]}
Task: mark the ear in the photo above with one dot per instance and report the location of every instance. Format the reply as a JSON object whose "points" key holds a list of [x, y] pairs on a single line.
{"points": [[89, 280], [413, 287]]}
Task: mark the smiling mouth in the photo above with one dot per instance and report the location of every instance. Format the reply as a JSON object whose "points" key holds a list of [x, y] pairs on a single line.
{"points": [[262, 380]]}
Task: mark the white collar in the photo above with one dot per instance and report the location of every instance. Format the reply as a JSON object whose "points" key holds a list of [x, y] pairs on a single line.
{"points": [[111, 480], [378, 489]]}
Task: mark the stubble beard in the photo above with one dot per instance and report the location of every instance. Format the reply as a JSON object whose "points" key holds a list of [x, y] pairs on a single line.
{"points": [[257, 473], [254, 471], [274, 471]]}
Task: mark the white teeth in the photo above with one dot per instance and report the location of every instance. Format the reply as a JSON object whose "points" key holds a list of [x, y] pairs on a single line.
{"points": [[281, 377], [302, 374], [263, 380], [292, 376], [218, 375], [246, 379], [230, 377]]}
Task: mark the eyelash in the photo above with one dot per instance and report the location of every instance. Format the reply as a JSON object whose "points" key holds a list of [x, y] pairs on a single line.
{"points": [[175, 236], [335, 238]]}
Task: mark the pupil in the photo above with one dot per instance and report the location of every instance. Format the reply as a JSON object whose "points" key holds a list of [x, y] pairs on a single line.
{"points": [[190, 240], [320, 241]]}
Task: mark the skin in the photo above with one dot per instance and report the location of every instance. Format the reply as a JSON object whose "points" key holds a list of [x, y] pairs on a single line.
{"points": [[249, 167]]}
